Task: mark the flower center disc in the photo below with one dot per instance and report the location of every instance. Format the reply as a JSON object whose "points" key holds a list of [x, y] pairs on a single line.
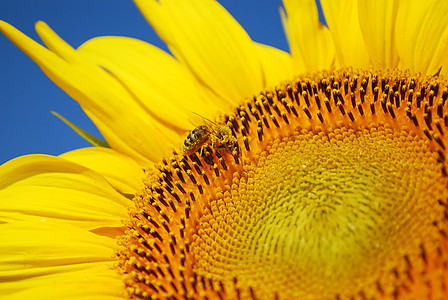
{"points": [[322, 214], [334, 187]]}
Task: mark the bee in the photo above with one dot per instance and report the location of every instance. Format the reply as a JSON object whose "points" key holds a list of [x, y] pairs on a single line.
{"points": [[219, 137]]}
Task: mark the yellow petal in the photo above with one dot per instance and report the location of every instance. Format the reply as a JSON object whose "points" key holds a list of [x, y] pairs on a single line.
{"points": [[99, 289], [123, 122], [123, 173], [285, 24], [343, 21], [45, 259], [121, 115], [421, 34], [30, 243], [377, 20], [206, 38], [310, 42], [42, 187], [162, 86], [277, 64], [441, 56]]}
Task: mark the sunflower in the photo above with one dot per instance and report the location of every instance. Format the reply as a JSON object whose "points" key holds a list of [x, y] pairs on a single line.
{"points": [[319, 174]]}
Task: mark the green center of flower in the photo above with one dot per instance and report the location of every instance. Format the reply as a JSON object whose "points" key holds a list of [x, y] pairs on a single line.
{"points": [[336, 187], [323, 214]]}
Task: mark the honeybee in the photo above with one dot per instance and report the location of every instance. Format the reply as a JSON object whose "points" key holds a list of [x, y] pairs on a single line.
{"points": [[218, 136]]}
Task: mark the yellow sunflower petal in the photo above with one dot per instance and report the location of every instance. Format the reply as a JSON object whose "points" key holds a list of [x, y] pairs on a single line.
{"points": [[124, 123], [343, 20], [285, 24], [421, 35], [377, 21], [208, 40], [441, 56], [310, 42], [38, 187], [277, 64], [98, 289], [122, 114], [123, 173], [45, 259], [163, 87]]}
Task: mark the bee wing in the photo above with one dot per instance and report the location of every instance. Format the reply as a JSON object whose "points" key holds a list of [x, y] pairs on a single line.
{"points": [[197, 120]]}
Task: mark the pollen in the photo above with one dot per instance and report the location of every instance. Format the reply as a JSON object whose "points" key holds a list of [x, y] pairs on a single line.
{"points": [[337, 189]]}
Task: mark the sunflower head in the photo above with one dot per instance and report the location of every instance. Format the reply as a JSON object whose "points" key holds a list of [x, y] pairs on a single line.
{"points": [[323, 174], [321, 201]]}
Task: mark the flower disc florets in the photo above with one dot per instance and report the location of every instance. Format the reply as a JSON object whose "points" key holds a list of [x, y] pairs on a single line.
{"points": [[338, 190]]}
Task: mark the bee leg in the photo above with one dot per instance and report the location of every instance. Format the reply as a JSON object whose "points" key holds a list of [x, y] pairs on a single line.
{"points": [[201, 151]]}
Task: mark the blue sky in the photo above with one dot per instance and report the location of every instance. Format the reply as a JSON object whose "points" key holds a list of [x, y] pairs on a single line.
{"points": [[27, 95]]}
